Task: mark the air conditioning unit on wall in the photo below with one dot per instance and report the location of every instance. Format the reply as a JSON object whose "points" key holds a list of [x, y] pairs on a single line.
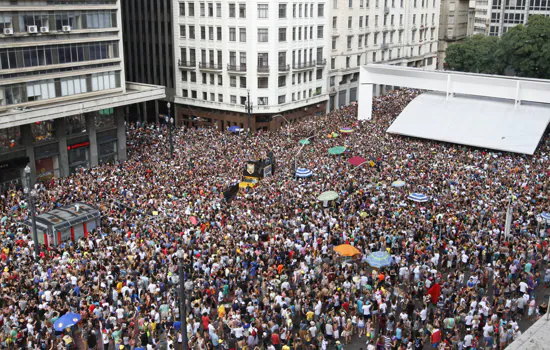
{"points": [[8, 31], [66, 28], [44, 30], [32, 29]]}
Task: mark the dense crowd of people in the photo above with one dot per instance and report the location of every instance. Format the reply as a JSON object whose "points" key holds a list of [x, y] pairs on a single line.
{"points": [[260, 271]]}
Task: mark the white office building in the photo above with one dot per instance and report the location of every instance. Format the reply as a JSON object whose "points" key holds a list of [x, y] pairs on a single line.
{"points": [[273, 50], [398, 32], [495, 17]]}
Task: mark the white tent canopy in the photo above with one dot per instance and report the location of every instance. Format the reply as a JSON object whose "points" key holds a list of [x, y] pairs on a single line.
{"points": [[474, 121]]}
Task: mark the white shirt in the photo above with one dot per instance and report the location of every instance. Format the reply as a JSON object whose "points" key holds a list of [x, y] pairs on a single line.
{"points": [[468, 340]]}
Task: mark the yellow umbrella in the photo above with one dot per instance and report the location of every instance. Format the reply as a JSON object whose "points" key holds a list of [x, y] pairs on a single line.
{"points": [[346, 250]]}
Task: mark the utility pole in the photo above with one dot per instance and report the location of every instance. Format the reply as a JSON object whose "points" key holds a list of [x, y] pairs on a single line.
{"points": [[170, 126], [248, 107]]}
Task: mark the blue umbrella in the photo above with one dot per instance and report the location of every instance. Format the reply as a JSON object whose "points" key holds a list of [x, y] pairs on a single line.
{"points": [[66, 321], [303, 172], [545, 216], [379, 259], [234, 128], [418, 197]]}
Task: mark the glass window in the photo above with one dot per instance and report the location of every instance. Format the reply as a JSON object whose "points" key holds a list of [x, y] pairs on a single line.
{"points": [[242, 10], [105, 118], [262, 10], [10, 138], [43, 131], [262, 35], [75, 124]]}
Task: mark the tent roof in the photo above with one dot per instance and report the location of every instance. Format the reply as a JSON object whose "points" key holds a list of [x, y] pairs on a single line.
{"points": [[65, 217], [474, 121]]}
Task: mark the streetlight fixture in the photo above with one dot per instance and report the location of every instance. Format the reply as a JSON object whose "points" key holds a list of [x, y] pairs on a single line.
{"points": [[287, 122], [248, 107], [183, 312], [31, 194], [170, 126]]}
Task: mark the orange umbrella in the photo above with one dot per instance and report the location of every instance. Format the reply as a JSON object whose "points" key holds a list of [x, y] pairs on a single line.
{"points": [[346, 250]]}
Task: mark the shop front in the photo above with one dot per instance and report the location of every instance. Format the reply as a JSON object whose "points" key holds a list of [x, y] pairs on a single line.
{"points": [[46, 161], [11, 171], [79, 156], [107, 146]]}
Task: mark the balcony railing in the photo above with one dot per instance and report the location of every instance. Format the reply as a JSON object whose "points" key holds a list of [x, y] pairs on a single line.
{"points": [[187, 64], [322, 62], [305, 65], [210, 66], [236, 68], [284, 67], [263, 69]]}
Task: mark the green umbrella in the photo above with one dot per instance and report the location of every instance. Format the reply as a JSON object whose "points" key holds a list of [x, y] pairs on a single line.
{"points": [[328, 196], [335, 135], [304, 142], [337, 150]]}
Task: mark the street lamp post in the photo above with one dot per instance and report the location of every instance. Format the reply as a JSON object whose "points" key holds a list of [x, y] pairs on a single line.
{"points": [[31, 193], [170, 125], [183, 311], [287, 123], [248, 107]]}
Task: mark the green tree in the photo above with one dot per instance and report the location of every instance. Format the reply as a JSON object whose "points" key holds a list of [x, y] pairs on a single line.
{"points": [[525, 50], [477, 54]]}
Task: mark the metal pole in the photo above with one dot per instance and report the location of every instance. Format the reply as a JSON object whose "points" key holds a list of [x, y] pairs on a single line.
{"points": [[183, 317], [34, 233], [169, 125], [33, 214], [249, 110]]}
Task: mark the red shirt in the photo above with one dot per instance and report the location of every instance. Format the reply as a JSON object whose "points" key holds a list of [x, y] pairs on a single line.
{"points": [[205, 322], [275, 339]]}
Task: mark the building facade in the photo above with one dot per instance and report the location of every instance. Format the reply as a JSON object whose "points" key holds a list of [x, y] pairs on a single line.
{"points": [[398, 32], [62, 87], [227, 50], [495, 17], [453, 25], [149, 50]]}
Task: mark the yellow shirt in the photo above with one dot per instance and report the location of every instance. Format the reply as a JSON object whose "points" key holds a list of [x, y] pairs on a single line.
{"points": [[310, 315], [221, 311]]}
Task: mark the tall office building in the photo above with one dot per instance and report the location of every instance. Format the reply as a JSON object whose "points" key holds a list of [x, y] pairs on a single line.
{"points": [[453, 25], [399, 32], [62, 87], [147, 27], [495, 17], [227, 50]]}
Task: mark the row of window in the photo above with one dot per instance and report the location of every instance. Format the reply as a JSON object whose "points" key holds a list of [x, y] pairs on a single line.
{"points": [[367, 3], [189, 56], [262, 101], [55, 20], [363, 39], [56, 54], [263, 33], [53, 88], [262, 81], [383, 56], [239, 10], [423, 20]]}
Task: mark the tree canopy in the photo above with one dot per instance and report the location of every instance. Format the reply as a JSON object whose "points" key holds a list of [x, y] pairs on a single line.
{"points": [[524, 50]]}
